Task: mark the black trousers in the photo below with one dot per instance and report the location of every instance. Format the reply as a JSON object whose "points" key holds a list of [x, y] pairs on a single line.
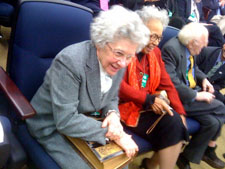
{"points": [[219, 96], [211, 117]]}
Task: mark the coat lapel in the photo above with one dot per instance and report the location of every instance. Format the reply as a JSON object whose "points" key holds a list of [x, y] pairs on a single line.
{"points": [[219, 74], [183, 62], [212, 60], [93, 79]]}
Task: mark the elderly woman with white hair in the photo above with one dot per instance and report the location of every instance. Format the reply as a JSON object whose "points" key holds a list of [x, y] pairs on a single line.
{"points": [[145, 75], [84, 78]]}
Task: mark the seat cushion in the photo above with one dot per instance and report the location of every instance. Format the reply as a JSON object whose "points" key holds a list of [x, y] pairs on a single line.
{"points": [[35, 151], [192, 125], [143, 145]]}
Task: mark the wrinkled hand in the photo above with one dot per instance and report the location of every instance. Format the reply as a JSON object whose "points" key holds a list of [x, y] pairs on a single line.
{"points": [[115, 128], [161, 107], [127, 144], [207, 86], [183, 118], [204, 96]]}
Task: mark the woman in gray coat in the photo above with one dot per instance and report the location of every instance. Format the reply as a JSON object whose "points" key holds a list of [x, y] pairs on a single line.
{"points": [[85, 78]]}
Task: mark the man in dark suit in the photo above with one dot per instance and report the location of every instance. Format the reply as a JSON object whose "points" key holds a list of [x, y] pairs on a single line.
{"points": [[138, 4], [179, 57], [215, 7], [211, 61], [191, 11], [94, 5]]}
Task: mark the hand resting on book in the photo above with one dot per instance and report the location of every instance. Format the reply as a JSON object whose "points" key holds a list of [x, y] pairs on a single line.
{"points": [[116, 133], [127, 144]]}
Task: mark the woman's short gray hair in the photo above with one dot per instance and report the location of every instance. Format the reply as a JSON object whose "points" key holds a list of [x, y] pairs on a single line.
{"points": [[192, 31], [118, 23], [151, 12]]}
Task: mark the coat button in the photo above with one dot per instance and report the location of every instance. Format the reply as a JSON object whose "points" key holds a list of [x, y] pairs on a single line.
{"points": [[220, 73]]}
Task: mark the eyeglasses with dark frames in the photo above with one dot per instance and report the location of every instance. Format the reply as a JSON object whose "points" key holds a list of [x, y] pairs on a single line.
{"points": [[154, 37]]}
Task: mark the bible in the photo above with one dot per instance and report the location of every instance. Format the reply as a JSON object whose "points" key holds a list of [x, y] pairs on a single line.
{"points": [[109, 156]]}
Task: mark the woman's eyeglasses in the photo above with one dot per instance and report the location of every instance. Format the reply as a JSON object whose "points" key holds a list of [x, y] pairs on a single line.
{"points": [[119, 54], [155, 37]]}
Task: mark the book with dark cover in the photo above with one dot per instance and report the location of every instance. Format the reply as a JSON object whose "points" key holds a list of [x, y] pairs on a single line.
{"points": [[104, 152], [109, 156]]}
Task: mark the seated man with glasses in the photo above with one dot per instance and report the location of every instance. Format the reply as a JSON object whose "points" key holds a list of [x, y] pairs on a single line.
{"points": [[144, 76]]}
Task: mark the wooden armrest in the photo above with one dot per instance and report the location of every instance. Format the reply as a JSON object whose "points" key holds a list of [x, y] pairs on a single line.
{"points": [[15, 96]]}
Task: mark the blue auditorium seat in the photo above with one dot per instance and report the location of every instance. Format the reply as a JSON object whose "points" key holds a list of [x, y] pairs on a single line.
{"points": [[42, 29]]}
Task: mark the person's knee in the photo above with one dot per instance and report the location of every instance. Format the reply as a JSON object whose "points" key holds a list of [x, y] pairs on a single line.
{"points": [[213, 125], [175, 120]]}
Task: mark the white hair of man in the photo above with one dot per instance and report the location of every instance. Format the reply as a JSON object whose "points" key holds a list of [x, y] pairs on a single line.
{"points": [[192, 31], [151, 12], [118, 23]]}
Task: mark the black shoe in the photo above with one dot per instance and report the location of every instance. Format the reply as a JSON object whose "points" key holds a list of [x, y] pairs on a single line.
{"points": [[224, 155], [144, 164], [211, 158], [182, 162]]}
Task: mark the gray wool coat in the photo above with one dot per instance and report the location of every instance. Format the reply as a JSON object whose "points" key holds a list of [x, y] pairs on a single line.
{"points": [[71, 88]]}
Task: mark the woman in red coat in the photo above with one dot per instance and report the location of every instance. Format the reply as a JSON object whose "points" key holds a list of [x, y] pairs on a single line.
{"points": [[146, 75]]}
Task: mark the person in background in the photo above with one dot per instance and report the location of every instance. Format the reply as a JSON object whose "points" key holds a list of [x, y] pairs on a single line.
{"points": [[211, 61], [196, 94], [215, 7], [214, 11], [138, 4], [143, 77], [94, 5], [191, 11], [85, 78]]}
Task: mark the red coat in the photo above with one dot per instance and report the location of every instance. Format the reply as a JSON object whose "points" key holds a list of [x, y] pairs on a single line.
{"points": [[128, 93]]}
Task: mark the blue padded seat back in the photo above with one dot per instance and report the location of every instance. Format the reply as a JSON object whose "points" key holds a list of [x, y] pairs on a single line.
{"points": [[168, 33], [6, 9], [6, 13], [43, 28]]}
